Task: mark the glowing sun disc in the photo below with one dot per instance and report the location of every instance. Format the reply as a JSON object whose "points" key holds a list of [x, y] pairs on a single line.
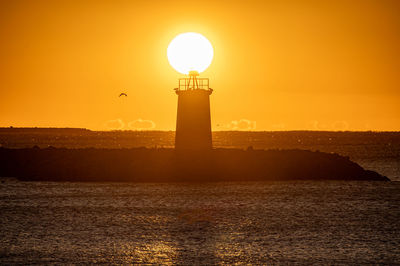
{"points": [[190, 51]]}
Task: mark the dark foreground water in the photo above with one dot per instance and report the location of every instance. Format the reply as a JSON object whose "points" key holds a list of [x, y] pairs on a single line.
{"points": [[220, 223]]}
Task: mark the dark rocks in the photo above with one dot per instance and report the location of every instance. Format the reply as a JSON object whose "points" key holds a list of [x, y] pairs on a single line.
{"points": [[168, 165]]}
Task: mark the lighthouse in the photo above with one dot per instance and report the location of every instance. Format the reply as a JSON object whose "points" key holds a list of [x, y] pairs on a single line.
{"points": [[193, 120], [191, 53]]}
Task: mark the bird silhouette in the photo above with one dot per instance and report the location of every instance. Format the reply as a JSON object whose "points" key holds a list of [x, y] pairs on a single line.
{"points": [[123, 94]]}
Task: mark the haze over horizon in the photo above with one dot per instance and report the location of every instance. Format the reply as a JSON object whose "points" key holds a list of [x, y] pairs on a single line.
{"points": [[278, 65]]}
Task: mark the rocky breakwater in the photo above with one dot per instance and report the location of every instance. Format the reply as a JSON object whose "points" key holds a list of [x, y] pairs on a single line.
{"points": [[169, 165]]}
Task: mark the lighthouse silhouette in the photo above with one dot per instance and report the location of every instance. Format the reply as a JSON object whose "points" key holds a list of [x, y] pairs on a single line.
{"points": [[193, 121]]}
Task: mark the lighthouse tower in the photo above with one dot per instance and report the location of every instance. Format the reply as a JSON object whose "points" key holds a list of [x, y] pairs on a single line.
{"points": [[193, 122]]}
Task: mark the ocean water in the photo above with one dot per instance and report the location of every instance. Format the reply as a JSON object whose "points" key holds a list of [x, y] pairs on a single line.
{"points": [[213, 223]]}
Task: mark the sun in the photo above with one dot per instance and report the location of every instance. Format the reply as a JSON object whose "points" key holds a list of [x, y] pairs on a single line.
{"points": [[190, 51]]}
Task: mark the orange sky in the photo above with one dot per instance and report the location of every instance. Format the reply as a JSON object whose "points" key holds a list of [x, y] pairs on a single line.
{"points": [[278, 65]]}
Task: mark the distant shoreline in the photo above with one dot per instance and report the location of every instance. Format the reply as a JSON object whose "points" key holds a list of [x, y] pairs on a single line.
{"points": [[73, 129]]}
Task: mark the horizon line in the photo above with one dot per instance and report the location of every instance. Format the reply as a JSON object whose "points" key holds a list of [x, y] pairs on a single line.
{"points": [[160, 130]]}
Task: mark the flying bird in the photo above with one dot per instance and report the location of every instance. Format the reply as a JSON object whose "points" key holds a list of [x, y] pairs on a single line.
{"points": [[123, 94]]}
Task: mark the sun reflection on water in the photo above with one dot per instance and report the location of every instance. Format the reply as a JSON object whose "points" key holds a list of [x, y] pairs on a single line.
{"points": [[153, 252]]}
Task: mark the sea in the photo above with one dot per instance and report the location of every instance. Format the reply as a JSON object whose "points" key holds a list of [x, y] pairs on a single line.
{"points": [[308, 222]]}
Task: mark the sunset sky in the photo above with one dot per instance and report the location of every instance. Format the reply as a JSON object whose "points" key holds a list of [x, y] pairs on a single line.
{"points": [[278, 65]]}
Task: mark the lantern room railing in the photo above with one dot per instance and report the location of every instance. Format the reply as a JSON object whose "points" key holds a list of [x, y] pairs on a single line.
{"points": [[193, 83]]}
